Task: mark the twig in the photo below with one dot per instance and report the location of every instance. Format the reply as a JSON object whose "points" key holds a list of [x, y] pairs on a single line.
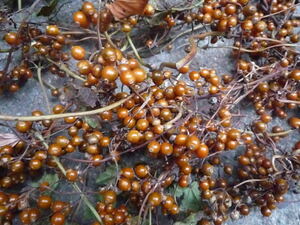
{"points": [[189, 57], [39, 75], [162, 176], [259, 49], [281, 11], [136, 52], [64, 68], [4, 50], [19, 5], [289, 101], [98, 26], [64, 115], [283, 133], [169, 124], [249, 181], [150, 217], [109, 39]]}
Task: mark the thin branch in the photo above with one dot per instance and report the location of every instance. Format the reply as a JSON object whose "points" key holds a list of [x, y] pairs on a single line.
{"points": [[64, 68], [39, 75], [249, 181], [19, 5], [136, 52], [64, 115]]}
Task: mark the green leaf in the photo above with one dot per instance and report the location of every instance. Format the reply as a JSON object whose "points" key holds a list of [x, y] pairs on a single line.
{"points": [[92, 122], [189, 197], [190, 220], [52, 179], [87, 213], [48, 10], [107, 176]]}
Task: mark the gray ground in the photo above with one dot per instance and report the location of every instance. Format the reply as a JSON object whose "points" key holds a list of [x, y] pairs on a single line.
{"points": [[30, 98]]}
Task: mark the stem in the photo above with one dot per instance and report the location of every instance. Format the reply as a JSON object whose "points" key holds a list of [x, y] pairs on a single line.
{"points": [[150, 216], [169, 124], [75, 186], [257, 50], [19, 5], [124, 47], [134, 48], [248, 181], [4, 50], [192, 40], [136, 52], [39, 75], [64, 115], [46, 84], [158, 182], [64, 68], [283, 133], [167, 64], [109, 39], [289, 101], [98, 26], [281, 11]]}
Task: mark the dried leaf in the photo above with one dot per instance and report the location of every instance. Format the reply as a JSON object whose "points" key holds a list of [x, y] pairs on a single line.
{"points": [[125, 8], [8, 139]]}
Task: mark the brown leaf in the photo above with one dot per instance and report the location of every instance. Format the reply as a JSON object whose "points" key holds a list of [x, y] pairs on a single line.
{"points": [[8, 139], [125, 8]]}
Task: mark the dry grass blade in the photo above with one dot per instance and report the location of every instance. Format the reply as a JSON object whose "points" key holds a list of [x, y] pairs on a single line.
{"points": [[8, 139], [125, 8]]}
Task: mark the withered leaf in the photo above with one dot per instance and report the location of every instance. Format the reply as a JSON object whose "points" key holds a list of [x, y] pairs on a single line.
{"points": [[125, 8], [8, 139]]}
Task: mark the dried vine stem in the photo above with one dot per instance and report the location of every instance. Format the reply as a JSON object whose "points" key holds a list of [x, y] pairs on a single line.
{"points": [[161, 177], [248, 181], [64, 68], [169, 124], [189, 57], [259, 49], [39, 75], [136, 52], [281, 11], [64, 115]]}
